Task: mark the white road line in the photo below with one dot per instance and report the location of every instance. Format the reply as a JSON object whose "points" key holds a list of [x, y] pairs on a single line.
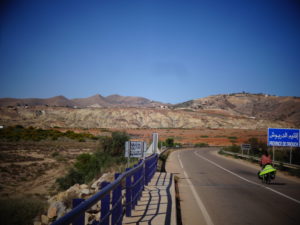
{"points": [[200, 204], [178, 157], [249, 181]]}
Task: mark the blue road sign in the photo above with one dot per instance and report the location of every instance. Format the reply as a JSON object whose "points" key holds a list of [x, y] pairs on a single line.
{"points": [[283, 137]]}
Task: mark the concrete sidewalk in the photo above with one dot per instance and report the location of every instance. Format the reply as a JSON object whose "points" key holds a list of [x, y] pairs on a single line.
{"points": [[157, 205]]}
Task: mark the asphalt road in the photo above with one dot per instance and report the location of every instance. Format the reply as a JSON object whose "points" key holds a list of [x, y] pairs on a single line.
{"points": [[216, 190]]}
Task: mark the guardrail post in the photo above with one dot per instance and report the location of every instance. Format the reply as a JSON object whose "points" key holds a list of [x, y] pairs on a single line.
{"points": [[135, 188], [143, 174], [128, 195], [140, 184], [80, 219], [105, 202], [117, 204], [146, 172]]}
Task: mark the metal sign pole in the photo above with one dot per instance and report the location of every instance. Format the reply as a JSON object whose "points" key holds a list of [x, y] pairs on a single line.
{"points": [[291, 151], [273, 155], [128, 152]]}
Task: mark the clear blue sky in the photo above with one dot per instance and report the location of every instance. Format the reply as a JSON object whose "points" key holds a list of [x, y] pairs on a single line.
{"points": [[169, 51]]}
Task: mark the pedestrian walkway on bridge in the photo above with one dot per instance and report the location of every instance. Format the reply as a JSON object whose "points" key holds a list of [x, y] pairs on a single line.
{"points": [[157, 204]]}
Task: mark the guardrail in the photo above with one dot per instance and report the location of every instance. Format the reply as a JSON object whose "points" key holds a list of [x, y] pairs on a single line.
{"points": [[113, 205], [293, 166]]}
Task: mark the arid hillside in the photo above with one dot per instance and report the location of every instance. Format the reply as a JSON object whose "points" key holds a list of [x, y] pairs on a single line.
{"points": [[237, 111], [254, 106], [46, 117]]}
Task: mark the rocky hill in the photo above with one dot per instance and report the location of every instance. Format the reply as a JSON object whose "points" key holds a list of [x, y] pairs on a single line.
{"points": [[55, 101], [254, 106], [96, 101], [220, 111]]}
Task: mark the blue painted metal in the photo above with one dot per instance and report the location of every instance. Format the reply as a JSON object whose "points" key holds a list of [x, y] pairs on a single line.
{"points": [[105, 203], [117, 204], [128, 195], [283, 137], [136, 178], [80, 220]]}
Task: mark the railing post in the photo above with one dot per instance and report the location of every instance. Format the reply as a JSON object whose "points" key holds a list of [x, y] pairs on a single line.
{"points": [[143, 174], [105, 202], [141, 182], [146, 172], [80, 219], [128, 195], [117, 211], [135, 190]]}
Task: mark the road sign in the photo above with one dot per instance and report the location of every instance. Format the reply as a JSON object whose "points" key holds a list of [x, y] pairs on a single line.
{"points": [[283, 137], [246, 147], [135, 149]]}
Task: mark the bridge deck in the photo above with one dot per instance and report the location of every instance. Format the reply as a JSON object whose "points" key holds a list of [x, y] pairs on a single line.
{"points": [[157, 205]]}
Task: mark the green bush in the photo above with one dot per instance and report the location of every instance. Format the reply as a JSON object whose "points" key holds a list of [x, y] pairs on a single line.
{"points": [[199, 145], [232, 138], [169, 142], [20, 211], [88, 166], [73, 177], [233, 148]]}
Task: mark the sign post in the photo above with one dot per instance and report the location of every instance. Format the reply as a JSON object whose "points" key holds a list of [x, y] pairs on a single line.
{"points": [[245, 147], [291, 155], [284, 138], [135, 149]]}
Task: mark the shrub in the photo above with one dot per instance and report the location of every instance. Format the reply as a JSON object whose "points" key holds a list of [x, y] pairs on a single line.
{"points": [[169, 142], [88, 166], [18, 211], [233, 148], [199, 145], [72, 177]]}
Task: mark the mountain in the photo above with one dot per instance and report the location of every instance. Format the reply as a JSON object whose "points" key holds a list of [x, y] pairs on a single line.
{"points": [[131, 101], [96, 101], [243, 111], [93, 101], [54, 101], [255, 106]]}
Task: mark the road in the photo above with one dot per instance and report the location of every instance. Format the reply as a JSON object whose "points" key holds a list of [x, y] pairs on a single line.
{"points": [[216, 190]]}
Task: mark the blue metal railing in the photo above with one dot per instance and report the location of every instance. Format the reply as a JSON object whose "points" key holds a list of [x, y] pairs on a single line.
{"points": [[110, 195]]}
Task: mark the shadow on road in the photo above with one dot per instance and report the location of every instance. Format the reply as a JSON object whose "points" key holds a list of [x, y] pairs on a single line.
{"points": [[155, 206]]}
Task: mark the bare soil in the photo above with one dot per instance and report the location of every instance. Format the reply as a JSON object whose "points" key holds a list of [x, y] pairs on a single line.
{"points": [[33, 167], [213, 137]]}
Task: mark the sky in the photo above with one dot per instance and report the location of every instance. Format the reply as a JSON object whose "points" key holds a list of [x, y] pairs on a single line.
{"points": [[169, 51]]}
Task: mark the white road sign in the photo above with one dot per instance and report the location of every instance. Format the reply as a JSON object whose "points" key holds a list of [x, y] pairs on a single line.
{"points": [[135, 149]]}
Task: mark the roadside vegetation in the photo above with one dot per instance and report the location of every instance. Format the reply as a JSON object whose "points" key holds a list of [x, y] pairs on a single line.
{"points": [[110, 153], [20, 133], [169, 143], [21, 210], [200, 145]]}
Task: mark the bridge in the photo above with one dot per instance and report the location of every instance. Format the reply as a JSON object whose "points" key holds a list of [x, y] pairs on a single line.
{"points": [[140, 195], [212, 189]]}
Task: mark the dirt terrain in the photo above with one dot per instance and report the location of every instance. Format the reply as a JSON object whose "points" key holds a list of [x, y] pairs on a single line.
{"points": [[33, 167]]}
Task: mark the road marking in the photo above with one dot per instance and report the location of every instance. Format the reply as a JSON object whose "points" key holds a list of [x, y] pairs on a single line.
{"points": [[249, 181], [178, 157], [198, 199]]}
